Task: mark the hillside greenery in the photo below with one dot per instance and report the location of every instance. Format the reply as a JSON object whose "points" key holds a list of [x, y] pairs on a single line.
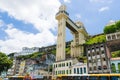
{"points": [[34, 55], [82, 58], [115, 54], [112, 28], [96, 39], [39, 54], [67, 50]]}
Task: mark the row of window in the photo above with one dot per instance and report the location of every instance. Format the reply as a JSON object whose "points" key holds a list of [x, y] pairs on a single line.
{"points": [[114, 36], [62, 64], [98, 68], [97, 47], [96, 53], [80, 70], [97, 60], [63, 72], [76, 71]]}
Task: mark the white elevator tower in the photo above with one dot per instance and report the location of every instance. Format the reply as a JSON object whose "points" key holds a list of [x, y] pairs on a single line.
{"points": [[61, 16], [78, 31]]}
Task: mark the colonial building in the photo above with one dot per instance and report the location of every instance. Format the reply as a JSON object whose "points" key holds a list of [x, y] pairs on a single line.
{"points": [[115, 65], [113, 44], [64, 67], [69, 67], [98, 60], [113, 41], [113, 36], [22, 67], [80, 68], [11, 71]]}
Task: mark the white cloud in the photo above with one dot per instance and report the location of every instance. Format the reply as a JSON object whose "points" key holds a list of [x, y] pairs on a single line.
{"points": [[67, 1], [101, 1], [39, 13], [17, 39], [104, 9], [78, 16]]}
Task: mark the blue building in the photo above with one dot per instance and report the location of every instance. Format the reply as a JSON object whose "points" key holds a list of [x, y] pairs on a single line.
{"points": [[115, 65]]}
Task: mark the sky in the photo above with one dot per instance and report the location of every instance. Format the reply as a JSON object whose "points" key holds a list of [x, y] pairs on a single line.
{"points": [[32, 23]]}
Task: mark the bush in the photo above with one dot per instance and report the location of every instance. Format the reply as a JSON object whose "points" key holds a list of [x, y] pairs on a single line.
{"points": [[97, 39], [112, 28]]}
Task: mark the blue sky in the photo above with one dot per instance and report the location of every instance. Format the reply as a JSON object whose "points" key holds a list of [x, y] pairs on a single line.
{"points": [[32, 23]]}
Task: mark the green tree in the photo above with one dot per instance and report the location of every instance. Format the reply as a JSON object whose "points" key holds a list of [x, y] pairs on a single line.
{"points": [[110, 29], [5, 62], [82, 58], [115, 54], [97, 39], [118, 25]]}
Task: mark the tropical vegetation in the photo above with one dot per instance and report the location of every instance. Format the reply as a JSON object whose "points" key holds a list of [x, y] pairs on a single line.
{"points": [[96, 39], [5, 62], [115, 54], [112, 28]]}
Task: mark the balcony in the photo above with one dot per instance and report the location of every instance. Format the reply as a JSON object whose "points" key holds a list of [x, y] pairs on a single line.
{"points": [[90, 64], [93, 57], [98, 56], [104, 63], [103, 55], [89, 51], [97, 49], [89, 58]]}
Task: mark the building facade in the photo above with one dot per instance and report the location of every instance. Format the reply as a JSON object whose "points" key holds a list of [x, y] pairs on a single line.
{"points": [[80, 68], [97, 58], [64, 67], [113, 36], [70, 67], [11, 71], [115, 65], [22, 67]]}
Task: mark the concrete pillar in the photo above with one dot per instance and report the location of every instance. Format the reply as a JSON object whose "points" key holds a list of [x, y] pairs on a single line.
{"points": [[116, 66], [61, 17]]}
